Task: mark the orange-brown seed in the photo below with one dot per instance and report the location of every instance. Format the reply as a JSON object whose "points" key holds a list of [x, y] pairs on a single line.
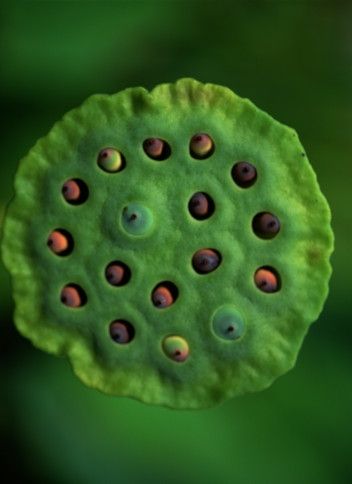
{"points": [[71, 191], [162, 297], [58, 242], [266, 280], [71, 297]]}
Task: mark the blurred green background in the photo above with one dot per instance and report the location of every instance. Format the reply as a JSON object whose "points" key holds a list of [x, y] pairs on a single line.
{"points": [[294, 60]]}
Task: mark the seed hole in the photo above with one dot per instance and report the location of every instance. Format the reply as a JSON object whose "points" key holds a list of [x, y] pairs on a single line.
{"points": [[201, 206], [157, 149], [73, 296], [164, 294], [121, 331], [266, 225], [111, 160], [206, 260], [117, 273], [201, 146], [60, 241], [75, 191], [267, 279], [244, 174]]}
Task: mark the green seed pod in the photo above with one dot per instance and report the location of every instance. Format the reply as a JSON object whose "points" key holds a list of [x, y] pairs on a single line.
{"points": [[246, 292]]}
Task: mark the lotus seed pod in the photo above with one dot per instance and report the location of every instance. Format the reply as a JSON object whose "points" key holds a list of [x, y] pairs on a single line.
{"points": [[238, 289]]}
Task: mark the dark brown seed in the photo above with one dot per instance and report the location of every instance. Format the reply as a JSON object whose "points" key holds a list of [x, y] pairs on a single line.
{"points": [[121, 332], [201, 206], [117, 273], [244, 174], [60, 242], [156, 148], [201, 146], [206, 260], [267, 279], [266, 225], [73, 296]]}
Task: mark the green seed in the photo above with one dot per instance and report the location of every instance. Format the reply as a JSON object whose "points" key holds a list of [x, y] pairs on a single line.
{"points": [[228, 323], [110, 160], [136, 219], [176, 348]]}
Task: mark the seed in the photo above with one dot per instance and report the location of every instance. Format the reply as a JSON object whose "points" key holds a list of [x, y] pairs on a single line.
{"points": [[267, 279], [206, 260], [201, 206], [75, 191], [136, 219], [121, 332], [176, 348], [164, 294], [110, 160], [73, 296], [244, 174], [117, 273], [228, 323], [266, 225], [60, 242], [156, 148], [201, 146]]}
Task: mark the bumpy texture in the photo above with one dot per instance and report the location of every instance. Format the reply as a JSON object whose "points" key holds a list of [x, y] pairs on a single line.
{"points": [[222, 335]]}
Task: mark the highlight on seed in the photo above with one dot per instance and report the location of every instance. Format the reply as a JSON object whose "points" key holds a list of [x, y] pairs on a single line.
{"points": [[266, 225], [110, 160], [156, 148], [75, 191], [206, 260], [267, 279], [60, 242], [201, 206], [117, 273], [164, 294], [176, 348], [244, 174], [121, 331], [73, 296]]}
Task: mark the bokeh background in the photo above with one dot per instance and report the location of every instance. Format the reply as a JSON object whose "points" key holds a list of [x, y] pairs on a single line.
{"points": [[294, 60]]}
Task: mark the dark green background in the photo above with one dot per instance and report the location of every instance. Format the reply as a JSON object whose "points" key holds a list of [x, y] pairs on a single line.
{"points": [[294, 60]]}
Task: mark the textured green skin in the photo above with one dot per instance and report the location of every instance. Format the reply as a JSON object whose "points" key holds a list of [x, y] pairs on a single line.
{"points": [[216, 369]]}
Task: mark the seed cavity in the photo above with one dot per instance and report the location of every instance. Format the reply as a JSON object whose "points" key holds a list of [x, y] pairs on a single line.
{"points": [[157, 149], [136, 219], [201, 206], [117, 273], [267, 279], [121, 331], [75, 191], [206, 260], [73, 296], [201, 146], [176, 348], [164, 294], [60, 241], [111, 160], [244, 174], [228, 323], [266, 225]]}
